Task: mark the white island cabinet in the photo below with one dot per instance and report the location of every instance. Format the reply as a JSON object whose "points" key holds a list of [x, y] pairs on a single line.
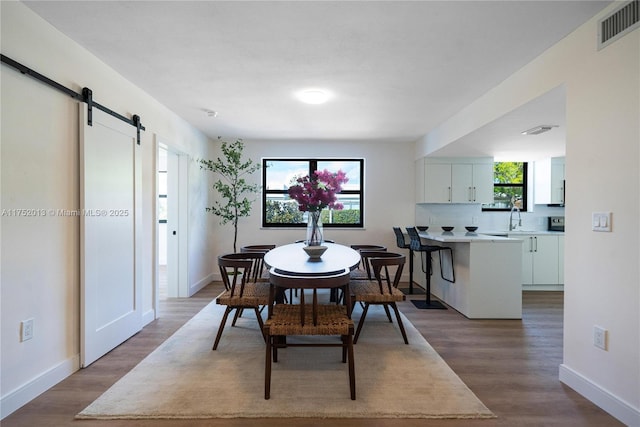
{"points": [[488, 273]]}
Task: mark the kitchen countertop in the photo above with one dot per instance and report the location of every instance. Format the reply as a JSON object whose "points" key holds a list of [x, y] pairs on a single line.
{"points": [[465, 237], [521, 232]]}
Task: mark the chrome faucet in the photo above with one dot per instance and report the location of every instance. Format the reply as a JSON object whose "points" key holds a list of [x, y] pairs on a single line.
{"points": [[511, 227]]}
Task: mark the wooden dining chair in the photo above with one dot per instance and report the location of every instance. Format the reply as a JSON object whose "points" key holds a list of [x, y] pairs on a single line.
{"points": [[258, 272], [308, 318], [363, 271], [240, 291], [383, 289]]}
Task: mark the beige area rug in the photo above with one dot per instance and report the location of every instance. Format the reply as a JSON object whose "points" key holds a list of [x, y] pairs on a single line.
{"points": [[185, 379]]}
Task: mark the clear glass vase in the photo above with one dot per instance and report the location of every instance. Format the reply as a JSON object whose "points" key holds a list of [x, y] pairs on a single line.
{"points": [[314, 229]]}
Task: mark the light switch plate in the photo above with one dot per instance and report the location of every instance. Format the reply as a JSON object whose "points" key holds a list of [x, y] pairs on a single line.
{"points": [[601, 221]]}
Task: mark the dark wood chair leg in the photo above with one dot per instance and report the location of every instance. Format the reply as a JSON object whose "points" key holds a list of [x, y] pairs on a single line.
{"points": [[352, 373], [236, 316], [400, 325], [221, 328], [260, 322], [386, 310], [361, 322], [267, 369]]}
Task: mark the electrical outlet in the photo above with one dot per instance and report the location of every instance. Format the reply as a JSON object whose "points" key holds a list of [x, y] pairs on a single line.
{"points": [[26, 330], [474, 220], [600, 337]]}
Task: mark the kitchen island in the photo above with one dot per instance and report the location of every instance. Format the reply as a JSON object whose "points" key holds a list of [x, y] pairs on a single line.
{"points": [[488, 274]]}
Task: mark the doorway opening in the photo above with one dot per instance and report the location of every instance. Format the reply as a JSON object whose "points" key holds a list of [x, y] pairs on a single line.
{"points": [[172, 226], [162, 223]]}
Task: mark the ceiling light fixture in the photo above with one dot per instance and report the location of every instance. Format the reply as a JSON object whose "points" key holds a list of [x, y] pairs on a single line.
{"points": [[211, 113], [539, 129], [313, 96]]}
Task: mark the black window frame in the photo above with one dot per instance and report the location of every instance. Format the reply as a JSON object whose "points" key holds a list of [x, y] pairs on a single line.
{"points": [[313, 166], [524, 185]]}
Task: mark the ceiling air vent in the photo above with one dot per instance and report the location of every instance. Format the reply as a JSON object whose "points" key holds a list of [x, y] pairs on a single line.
{"points": [[539, 129], [620, 22]]}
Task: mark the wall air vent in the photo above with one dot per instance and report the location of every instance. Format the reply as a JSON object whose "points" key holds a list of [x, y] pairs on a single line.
{"points": [[618, 23]]}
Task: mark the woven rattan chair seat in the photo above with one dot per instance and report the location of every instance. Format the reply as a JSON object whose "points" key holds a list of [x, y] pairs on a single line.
{"points": [[370, 291], [358, 274], [332, 320], [254, 294]]}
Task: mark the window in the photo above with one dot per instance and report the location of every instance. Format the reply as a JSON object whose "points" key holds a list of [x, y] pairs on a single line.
{"points": [[279, 210], [509, 187]]}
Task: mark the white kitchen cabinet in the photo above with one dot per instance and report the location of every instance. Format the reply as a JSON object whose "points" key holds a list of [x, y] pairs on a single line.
{"points": [[437, 183], [471, 183], [557, 180], [550, 181], [468, 180], [540, 259]]}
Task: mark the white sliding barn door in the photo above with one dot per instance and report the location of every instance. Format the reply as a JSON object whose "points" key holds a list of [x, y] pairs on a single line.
{"points": [[110, 229]]}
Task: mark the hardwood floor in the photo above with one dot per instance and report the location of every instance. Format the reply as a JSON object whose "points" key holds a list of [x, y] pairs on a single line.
{"points": [[511, 365]]}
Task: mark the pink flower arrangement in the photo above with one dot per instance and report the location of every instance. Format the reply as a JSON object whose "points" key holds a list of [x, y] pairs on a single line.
{"points": [[318, 191]]}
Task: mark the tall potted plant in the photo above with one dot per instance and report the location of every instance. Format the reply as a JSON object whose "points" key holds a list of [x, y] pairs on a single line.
{"points": [[232, 186]]}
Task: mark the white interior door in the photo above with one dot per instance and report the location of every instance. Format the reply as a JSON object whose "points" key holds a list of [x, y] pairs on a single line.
{"points": [[173, 255], [176, 227], [110, 230]]}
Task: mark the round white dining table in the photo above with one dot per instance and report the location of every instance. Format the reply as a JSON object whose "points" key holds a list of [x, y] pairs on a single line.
{"points": [[293, 259]]}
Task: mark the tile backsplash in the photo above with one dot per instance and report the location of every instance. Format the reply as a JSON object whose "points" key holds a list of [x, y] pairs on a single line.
{"points": [[461, 215]]}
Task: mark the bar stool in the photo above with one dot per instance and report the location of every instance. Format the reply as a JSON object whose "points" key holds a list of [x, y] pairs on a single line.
{"points": [[417, 246], [402, 244]]}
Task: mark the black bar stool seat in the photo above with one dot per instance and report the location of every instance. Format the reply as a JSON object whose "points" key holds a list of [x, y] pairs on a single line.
{"points": [[403, 244], [416, 245]]}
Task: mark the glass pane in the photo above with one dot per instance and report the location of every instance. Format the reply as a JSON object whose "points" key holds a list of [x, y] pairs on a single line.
{"points": [[280, 173], [351, 168], [281, 209], [508, 172], [502, 197], [162, 182], [162, 208], [350, 214]]}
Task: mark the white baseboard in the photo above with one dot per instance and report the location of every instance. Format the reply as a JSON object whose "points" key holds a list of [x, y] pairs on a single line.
{"points": [[22, 395], [202, 283], [148, 317], [543, 287], [615, 406]]}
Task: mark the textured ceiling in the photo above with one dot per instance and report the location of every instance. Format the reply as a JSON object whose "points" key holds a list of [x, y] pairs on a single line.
{"points": [[395, 69]]}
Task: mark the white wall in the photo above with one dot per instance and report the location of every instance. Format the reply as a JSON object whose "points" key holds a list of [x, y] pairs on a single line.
{"points": [[602, 275], [388, 187], [39, 170]]}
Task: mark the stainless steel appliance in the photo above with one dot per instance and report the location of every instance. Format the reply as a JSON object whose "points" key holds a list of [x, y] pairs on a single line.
{"points": [[556, 223]]}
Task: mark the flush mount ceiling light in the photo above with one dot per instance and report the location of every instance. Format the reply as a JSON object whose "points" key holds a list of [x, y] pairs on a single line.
{"points": [[211, 113], [313, 96], [539, 129]]}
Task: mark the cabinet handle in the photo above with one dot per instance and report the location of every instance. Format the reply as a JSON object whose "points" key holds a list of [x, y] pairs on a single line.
{"points": [[470, 194], [449, 193], [475, 194], [530, 244], [536, 240]]}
